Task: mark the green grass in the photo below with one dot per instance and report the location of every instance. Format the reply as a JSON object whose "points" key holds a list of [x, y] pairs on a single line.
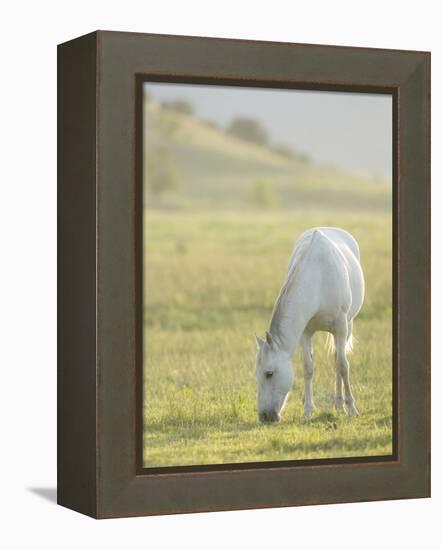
{"points": [[210, 283]]}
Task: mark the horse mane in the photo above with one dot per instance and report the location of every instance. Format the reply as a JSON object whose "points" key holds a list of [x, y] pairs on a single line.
{"points": [[300, 250]]}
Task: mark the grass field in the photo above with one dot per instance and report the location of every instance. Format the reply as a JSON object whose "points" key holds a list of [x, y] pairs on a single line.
{"points": [[210, 284]]}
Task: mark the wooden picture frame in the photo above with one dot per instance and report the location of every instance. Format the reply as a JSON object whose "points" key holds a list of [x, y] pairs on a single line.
{"points": [[99, 359]]}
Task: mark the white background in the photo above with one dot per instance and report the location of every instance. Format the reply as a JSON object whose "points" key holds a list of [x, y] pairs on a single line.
{"points": [[29, 34]]}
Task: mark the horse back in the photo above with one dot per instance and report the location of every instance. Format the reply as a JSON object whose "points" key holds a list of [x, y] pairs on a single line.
{"points": [[335, 254]]}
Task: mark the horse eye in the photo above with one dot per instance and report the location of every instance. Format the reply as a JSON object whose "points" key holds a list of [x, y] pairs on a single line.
{"points": [[268, 374]]}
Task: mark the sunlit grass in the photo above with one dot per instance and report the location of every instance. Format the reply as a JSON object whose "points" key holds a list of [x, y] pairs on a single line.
{"points": [[210, 284]]}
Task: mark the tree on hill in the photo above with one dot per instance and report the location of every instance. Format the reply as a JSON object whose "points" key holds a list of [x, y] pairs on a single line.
{"points": [[161, 175], [263, 194], [287, 152], [248, 129], [180, 106]]}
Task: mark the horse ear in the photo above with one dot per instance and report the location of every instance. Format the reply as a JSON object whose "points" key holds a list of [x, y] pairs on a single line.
{"points": [[269, 339], [259, 341]]}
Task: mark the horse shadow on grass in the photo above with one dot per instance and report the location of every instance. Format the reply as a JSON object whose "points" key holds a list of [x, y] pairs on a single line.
{"points": [[341, 445], [193, 430]]}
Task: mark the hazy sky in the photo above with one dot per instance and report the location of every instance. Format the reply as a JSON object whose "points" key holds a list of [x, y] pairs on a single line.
{"points": [[352, 131]]}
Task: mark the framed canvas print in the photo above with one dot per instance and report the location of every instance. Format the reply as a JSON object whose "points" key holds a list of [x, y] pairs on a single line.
{"points": [[244, 259]]}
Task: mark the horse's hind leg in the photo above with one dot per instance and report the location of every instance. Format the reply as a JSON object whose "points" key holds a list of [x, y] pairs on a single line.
{"points": [[339, 400], [341, 336], [308, 371]]}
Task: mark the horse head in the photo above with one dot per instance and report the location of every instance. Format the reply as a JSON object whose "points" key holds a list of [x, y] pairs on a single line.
{"points": [[274, 377]]}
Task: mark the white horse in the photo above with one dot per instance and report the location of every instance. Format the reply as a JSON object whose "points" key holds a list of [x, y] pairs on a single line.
{"points": [[323, 291]]}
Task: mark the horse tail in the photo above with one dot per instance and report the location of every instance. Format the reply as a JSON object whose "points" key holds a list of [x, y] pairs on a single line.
{"points": [[330, 344], [349, 344]]}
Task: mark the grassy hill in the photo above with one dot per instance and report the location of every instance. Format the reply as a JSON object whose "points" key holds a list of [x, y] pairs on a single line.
{"points": [[212, 168]]}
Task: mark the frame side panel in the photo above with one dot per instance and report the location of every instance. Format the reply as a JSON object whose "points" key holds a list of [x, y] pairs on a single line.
{"points": [[414, 274], [77, 275]]}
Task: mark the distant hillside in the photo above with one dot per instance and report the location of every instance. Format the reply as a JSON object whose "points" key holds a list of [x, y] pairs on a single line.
{"points": [[203, 166]]}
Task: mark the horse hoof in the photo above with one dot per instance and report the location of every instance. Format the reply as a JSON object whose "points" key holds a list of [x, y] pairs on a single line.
{"points": [[307, 413], [351, 410]]}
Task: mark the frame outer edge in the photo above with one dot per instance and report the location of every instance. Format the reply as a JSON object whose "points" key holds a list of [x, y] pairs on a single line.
{"points": [[76, 266]]}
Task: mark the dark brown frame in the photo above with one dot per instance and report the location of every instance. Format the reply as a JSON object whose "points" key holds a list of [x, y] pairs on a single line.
{"points": [[99, 366]]}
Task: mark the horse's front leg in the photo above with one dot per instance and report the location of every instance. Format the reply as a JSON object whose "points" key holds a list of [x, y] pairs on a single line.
{"points": [[308, 371]]}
